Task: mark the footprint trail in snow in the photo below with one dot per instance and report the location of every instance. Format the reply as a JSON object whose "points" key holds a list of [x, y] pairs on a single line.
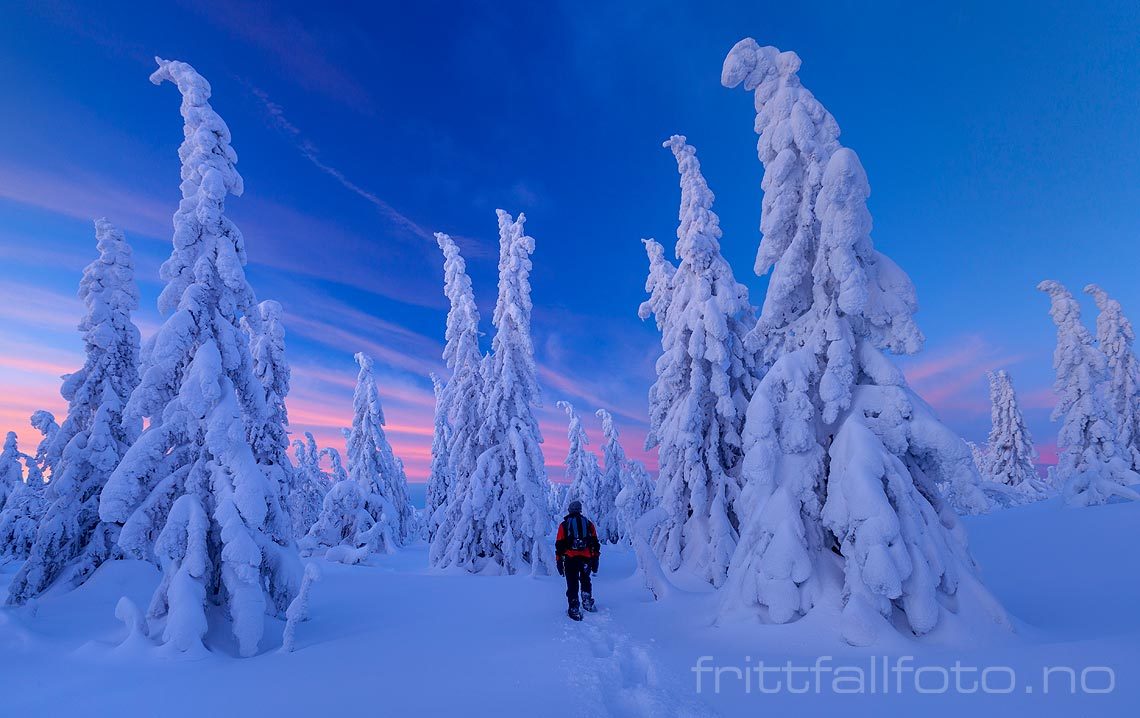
{"points": [[616, 677]]}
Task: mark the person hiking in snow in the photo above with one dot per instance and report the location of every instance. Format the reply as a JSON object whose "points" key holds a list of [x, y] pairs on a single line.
{"points": [[578, 550]]}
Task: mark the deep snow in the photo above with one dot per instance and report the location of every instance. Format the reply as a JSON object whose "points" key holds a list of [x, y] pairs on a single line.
{"points": [[395, 638]]}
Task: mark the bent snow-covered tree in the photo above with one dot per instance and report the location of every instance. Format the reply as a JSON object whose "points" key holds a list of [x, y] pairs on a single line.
{"points": [[704, 381], [1009, 455], [1091, 466], [502, 509], [581, 465], [610, 483], [1114, 337], [47, 451], [189, 493], [71, 541], [459, 407], [842, 458]]}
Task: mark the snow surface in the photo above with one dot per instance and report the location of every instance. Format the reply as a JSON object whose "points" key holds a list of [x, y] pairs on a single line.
{"points": [[392, 635]]}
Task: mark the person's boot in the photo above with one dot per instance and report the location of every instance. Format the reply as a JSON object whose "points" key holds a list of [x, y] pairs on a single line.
{"points": [[588, 603], [574, 613]]}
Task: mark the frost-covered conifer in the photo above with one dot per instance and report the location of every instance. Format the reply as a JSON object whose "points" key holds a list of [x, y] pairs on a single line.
{"points": [[1009, 455], [47, 453], [461, 404], [1091, 465], [610, 482], [842, 458], [11, 467], [440, 482], [704, 381], [25, 502], [337, 472], [71, 541], [268, 435], [1114, 336], [636, 497], [581, 465], [189, 493], [373, 465], [309, 485], [502, 510]]}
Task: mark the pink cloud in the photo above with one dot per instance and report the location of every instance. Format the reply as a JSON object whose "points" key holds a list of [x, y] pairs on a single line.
{"points": [[955, 379]]}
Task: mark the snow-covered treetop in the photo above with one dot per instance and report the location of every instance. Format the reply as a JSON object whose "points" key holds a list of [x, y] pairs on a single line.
{"points": [[462, 333], [1113, 330], [109, 291], [698, 234], [512, 350], [206, 291], [658, 285], [1074, 353], [609, 431], [575, 433], [208, 174]]}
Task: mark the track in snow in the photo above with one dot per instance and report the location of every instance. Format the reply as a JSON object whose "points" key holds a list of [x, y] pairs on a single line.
{"points": [[616, 677]]}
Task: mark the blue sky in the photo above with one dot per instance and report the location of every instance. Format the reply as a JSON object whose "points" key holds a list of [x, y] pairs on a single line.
{"points": [[999, 139]]}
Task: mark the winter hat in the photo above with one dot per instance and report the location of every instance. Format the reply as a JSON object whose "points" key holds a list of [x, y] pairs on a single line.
{"points": [[575, 507]]}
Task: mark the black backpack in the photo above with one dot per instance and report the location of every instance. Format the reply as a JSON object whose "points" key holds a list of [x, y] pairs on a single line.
{"points": [[577, 531]]}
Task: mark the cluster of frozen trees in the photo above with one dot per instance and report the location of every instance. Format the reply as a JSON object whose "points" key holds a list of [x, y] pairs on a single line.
{"points": [[797, 467], [489, 498], [176, 451], [1098, 400]]}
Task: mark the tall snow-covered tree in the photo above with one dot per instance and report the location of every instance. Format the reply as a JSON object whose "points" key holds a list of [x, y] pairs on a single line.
{"points": [[459, 406], [189, 493], [842, 458], [1114, 336], [1009, 456], [1092, 466], [47, 454], [268, 436], [501, 517], [610, 482], [440, 481], [25, 502], [704, 381], [71, 541], [373, 465], [581, 464], [309, 485]]}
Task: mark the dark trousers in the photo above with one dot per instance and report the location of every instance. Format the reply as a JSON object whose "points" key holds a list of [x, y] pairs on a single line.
{"points": [[577, 573]]}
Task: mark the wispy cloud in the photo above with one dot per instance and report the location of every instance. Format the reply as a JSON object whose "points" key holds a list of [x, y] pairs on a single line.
{"points": [[310, 151]]}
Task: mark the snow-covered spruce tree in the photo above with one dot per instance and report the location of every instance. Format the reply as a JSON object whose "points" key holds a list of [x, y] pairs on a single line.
{"points": [[337, 472], [461, 402], [842, 458], [1114, 336], [47, 453], [440, 481], [636, 497], [189, 493], [1091, 466], [581, 465], [11, 467], [374, 467], [502, 510], [309, 487], [658, 285], [71, 541], [268, 436], [612, 480], [1009, 455], [25, 502], [704, 381]]}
